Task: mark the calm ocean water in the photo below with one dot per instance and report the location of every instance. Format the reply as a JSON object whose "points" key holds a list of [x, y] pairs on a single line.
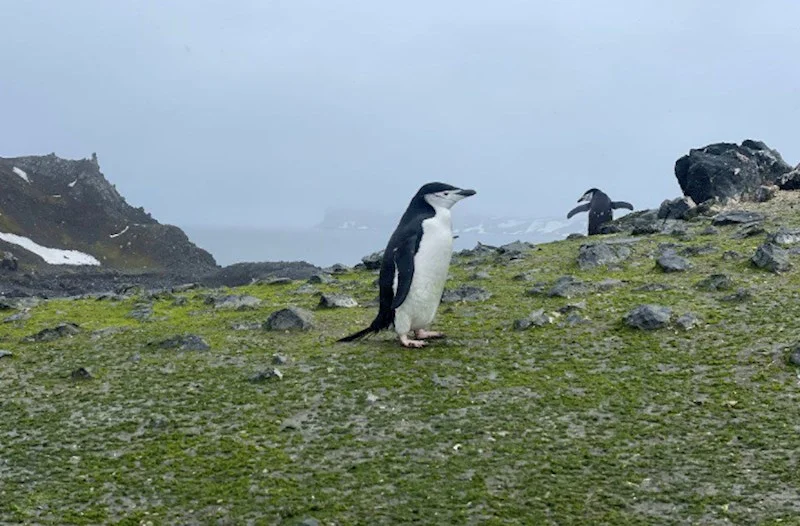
{"points": [[318, 246]]}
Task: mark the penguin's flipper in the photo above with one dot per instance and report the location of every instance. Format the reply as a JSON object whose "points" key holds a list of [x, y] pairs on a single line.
{"points": [[621, 204], [578, 209], [404, 265]]}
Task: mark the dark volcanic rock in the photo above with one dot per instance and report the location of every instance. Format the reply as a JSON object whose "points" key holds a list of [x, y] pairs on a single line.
{"points": [[516, 248], [596, 254], [739, 296], [80, 374], [142, 311], [715, 282], [687, 321], [576, 235], [332, 301], [709, 231], [679, 208], [6, 354], [734, 217], [648, 317], [9, 262], [771, 257], [749, 230], [373, 261], [568, 287], [790, 180], [246, 273], [289, 319], [699, 250], [465, 293], [59, 331], [785, 237], [233, 302], [672, 262], [765, 193], [263, 376], [535, 319], [184, 342], [69, 204], [728, 171], [794, 356], [321, 278]]}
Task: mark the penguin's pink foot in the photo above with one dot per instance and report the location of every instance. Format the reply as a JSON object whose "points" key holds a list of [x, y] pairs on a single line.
{"points": [[422, 334], [408, 342]]}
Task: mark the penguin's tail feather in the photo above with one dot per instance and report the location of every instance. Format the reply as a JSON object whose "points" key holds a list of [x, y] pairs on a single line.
{"points": [[382, 321]]}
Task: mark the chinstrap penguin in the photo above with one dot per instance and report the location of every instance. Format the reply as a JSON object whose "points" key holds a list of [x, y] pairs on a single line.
{"points": [[415, 265], [600, 207]]}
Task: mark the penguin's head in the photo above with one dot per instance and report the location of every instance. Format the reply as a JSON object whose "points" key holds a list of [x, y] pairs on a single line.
{"points": [[441, 195], [587, 196]]}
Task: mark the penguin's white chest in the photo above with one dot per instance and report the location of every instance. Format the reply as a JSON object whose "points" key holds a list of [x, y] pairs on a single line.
{"points": [[431, 264]]}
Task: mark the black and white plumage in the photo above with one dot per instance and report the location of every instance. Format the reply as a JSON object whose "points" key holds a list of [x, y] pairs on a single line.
{"points": [[415, 265], [600, 207]]}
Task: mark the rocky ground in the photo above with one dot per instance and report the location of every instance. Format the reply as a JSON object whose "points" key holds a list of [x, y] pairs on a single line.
{"points": [[647, 378]]}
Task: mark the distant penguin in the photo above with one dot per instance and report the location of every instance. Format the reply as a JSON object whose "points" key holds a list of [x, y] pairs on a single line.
{"points": [[600, 207], [415, 265]]}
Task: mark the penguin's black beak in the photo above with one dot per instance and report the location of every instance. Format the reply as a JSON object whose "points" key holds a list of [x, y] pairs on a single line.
{"points": [[466, 193]]}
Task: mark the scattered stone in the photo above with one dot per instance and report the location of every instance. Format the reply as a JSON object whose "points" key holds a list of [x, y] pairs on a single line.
{"points": [[336, 301], [794, 356], [709, 231], [515, 248], [573, 318], [373, 261], [6, 354], [739, 296], [765, 193], [771, 257], [320, 278], [19, 316], [263, 376], [653, 287], [790, 180], [233, 302], [731, 255], [737, 217], [246, 326], [273, 281], [568, 287], [648, 317], [572, 307], [646, 229], [289, 319], [184, 342], [306, 288], [338, 268], [9, 262], [610, 228], [576, 235], [609, 283], [480, 275], [279, 359], [536, 289], [785, 237], [465, 293], [749, 230], [672, 262], [371, 398], [715, 282], [7, 305], [479, 250], [525, 276], [536, 319], [687, 321], [596, 254], [679, 208], [699, 250], [61, 330], [80, 374], [180, 301], [185, 287], [108, 331], [158, 294], [142, 311]]}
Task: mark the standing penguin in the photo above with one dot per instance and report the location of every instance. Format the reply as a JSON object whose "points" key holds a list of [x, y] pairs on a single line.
{"points": [[415, 265], [600, 207]]}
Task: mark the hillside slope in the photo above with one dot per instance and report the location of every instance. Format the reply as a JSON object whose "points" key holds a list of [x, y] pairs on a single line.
{"points": [[583, 420], [62, 204]]}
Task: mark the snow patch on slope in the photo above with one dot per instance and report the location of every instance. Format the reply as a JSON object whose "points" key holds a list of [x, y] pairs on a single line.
{"points": [[20, 172], [53, 256]]}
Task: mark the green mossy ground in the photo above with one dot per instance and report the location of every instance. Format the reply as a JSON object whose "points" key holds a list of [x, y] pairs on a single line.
{"points": [[564, 424]]}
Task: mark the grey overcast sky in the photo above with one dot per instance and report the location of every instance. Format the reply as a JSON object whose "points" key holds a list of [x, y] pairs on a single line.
{"points": [[267, 112]]}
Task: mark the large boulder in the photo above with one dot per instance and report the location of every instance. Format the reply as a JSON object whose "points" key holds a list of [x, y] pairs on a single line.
{"points": [[726, 171]]}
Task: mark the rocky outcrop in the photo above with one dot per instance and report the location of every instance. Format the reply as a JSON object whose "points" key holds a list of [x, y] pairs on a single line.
{"points": [[725, 171], [68, 205]]}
